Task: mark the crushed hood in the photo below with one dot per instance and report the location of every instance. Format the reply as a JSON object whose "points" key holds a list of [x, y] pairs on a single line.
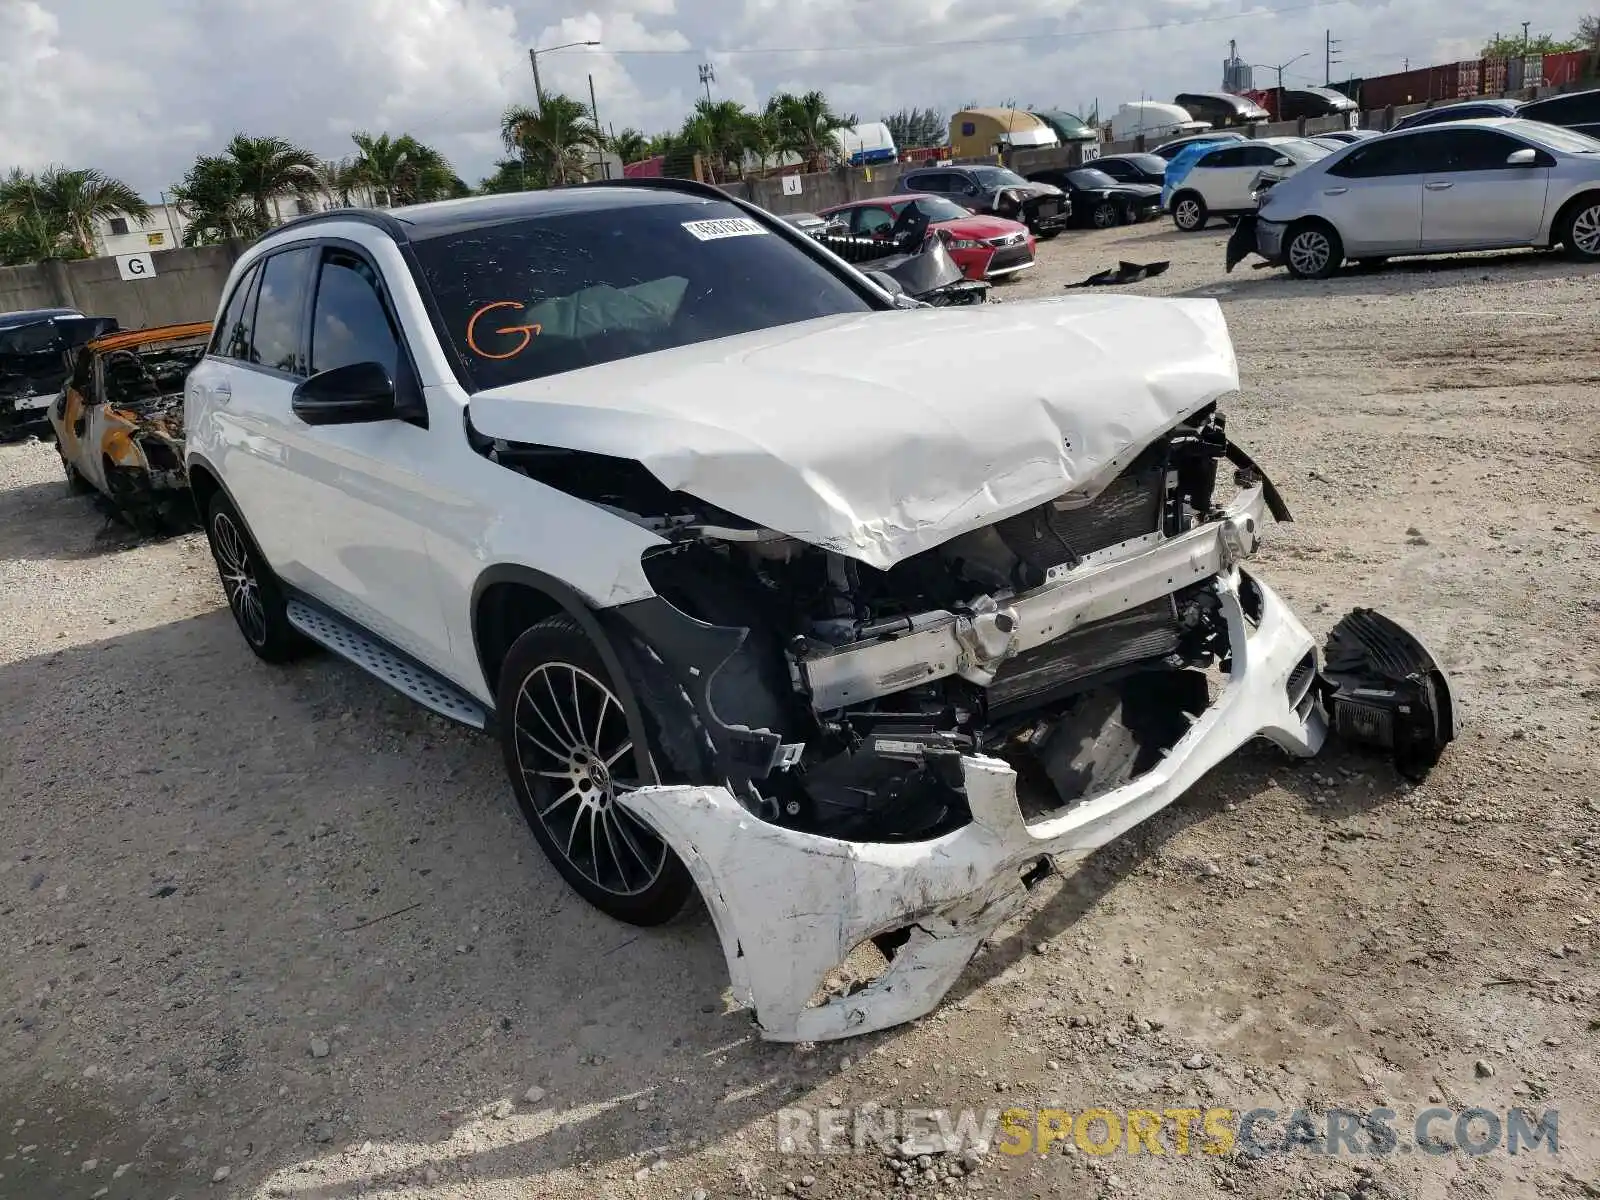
{"points": [[882, 434]]}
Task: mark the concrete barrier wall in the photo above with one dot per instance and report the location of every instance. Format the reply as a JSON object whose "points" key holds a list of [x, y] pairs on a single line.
{"points": [[186, 287]]}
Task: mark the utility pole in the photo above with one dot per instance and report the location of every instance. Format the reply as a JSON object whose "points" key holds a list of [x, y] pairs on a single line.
{"points": [[533, 60], [1278, 67], [708, 76], [1525, 25], [1330, 55]]}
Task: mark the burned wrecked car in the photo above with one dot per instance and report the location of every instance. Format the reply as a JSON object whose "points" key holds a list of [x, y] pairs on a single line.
{"points": [[851, 618], [36, 349], [118, 423]]}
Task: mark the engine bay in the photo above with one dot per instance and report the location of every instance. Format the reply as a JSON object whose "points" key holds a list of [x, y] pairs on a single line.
{"points": [[1079, 714]]}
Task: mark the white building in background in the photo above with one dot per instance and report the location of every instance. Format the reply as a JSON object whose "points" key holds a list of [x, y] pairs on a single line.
{"points": [[163, 229]]}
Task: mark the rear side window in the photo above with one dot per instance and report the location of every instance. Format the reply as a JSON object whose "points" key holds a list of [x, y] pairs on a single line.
{"points": [[275, 334], [1229, 157], [231, 333], [1376, 159], [546, 294], [349, 321], [929, 181], [1583, 107]]}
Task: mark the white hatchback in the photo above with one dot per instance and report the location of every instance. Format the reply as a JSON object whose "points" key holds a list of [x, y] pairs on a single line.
{"points": [[1220, 183]]}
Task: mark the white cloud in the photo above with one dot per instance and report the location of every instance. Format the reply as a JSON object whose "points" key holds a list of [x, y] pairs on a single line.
{"points": [[138, 89]]}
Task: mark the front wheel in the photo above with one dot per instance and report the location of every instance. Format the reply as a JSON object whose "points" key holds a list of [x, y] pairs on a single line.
{"points": [[1189, 213], [1105, 215], [1580, 231], [1313, 251], [570, 752]]}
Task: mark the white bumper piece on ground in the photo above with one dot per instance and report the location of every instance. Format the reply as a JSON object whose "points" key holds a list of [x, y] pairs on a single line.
{"points": [[790, 906]]}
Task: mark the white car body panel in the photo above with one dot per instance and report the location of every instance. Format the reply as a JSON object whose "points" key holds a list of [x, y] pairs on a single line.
{"points": [[790, 906], [880, 436]]}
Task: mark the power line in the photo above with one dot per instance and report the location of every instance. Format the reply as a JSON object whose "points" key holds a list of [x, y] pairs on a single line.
{"points": [[876, 47]]}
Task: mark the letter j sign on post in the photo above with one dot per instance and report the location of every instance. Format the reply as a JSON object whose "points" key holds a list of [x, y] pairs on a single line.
{"points": [[136, 266]]}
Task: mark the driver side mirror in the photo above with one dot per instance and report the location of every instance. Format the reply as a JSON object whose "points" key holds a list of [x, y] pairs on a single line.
{"points": [[1282, 162], [1526, 157], [346, 395]]}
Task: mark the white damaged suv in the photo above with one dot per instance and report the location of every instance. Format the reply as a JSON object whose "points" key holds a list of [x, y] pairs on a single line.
{"points": [[850, 615]]}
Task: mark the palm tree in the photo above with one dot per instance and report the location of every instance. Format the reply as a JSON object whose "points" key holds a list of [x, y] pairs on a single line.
{"points": [[555, 140], [68, 202], [30, 239], [340, 180], [721, 129], [270, 167], [808, 124], [630, 145], [212, 200], [403, 170]]}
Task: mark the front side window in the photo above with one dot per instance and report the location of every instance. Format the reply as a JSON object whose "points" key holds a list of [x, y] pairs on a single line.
{"points": [[541, 295], [349, 321], [275, 334], [1377, 159], [1474, 150]]}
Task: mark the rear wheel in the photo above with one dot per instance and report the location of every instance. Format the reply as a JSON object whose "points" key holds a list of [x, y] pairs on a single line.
{"points": [[1312, 250], [77, 485], [254, 595], [570, 752], [1189, 212], [1580, 230]]}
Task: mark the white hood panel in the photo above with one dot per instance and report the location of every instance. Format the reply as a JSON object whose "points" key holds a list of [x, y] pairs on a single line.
{"points": [[880, 435]]}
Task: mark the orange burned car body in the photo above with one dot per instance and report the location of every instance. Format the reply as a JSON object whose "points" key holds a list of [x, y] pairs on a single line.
{"points": [[118, 423]]}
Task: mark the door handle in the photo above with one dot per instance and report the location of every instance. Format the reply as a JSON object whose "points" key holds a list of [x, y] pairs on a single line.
{"points": [[1334, 191], [1438, 185]]}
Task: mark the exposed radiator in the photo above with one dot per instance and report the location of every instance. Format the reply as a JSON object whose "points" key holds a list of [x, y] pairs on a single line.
{"points": [[1045, 536], [1149, 631]]}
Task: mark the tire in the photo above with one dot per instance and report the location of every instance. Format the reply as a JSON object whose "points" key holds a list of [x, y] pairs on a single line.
{"points": [[553, 687], [1579, 233], [254, 595], [1105, 215], [1189, 212], [77, 485], [1312, 250]]}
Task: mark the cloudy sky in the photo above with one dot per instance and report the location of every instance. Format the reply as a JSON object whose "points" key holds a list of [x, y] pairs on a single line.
{"points": [[139, 87]]}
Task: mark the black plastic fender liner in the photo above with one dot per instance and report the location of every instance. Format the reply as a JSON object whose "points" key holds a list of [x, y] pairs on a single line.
{"points": [[1382, 687]]}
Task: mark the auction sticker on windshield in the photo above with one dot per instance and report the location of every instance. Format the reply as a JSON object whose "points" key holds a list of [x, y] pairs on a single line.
{"points": [[724, 227]]}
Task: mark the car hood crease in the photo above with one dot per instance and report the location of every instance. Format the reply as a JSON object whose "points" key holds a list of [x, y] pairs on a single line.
{"points": [[881, 435]]}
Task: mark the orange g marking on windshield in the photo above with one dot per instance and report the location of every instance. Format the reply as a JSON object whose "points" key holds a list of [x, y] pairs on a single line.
{"points": [[528, 332]]}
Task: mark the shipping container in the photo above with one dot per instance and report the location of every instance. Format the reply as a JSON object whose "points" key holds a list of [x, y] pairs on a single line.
{"points": [[1564, 70]]}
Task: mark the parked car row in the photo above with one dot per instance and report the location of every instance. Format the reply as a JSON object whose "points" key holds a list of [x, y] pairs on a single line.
{"points": [[1482, 184]]}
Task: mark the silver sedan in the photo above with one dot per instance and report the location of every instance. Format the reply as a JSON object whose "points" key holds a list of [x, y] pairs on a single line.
{"points": [[1467, 185]]}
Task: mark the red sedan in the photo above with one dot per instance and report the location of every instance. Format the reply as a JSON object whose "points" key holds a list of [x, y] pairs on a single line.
{"points": [[983, 247]]}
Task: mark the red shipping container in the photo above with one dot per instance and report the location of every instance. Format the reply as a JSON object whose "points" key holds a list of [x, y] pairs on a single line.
{"points": [[1564, 69], [1494, 76]]}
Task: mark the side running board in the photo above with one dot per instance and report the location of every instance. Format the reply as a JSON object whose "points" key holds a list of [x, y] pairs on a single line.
{"points": [[402, 674]]}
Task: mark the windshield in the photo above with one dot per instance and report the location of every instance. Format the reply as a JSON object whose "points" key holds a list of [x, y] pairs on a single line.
{"points": [[1569, 141], [536, 297], [996, 177], [1088, 177], [935, 208]]}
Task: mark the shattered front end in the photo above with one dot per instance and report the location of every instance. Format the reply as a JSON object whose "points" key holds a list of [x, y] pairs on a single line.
{"points": [[903, 752]]}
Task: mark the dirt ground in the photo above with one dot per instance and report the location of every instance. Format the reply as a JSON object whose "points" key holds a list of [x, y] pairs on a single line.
{"points": [[276, 932]]}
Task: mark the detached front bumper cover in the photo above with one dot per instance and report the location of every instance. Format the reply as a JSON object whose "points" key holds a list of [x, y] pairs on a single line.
{"points": [[790, 907]]}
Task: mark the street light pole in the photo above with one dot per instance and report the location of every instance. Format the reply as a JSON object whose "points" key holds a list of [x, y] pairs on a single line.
{"points": [[533, 60], [1278, 67]]}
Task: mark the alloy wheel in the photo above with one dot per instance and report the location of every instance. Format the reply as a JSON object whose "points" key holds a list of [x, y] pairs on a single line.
{"points": [[239, 581], [1586, 231], [1105, 216], [1188, 214], [1310, 251], [575, 751]]}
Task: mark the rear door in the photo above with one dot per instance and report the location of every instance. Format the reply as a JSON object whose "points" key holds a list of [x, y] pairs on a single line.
{"points": [[1473, 198], [1373, 195], [1220, 177], [248, 389]]}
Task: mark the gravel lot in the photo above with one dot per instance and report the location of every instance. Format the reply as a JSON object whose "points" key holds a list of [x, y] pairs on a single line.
{"points": [[275, 932]]}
